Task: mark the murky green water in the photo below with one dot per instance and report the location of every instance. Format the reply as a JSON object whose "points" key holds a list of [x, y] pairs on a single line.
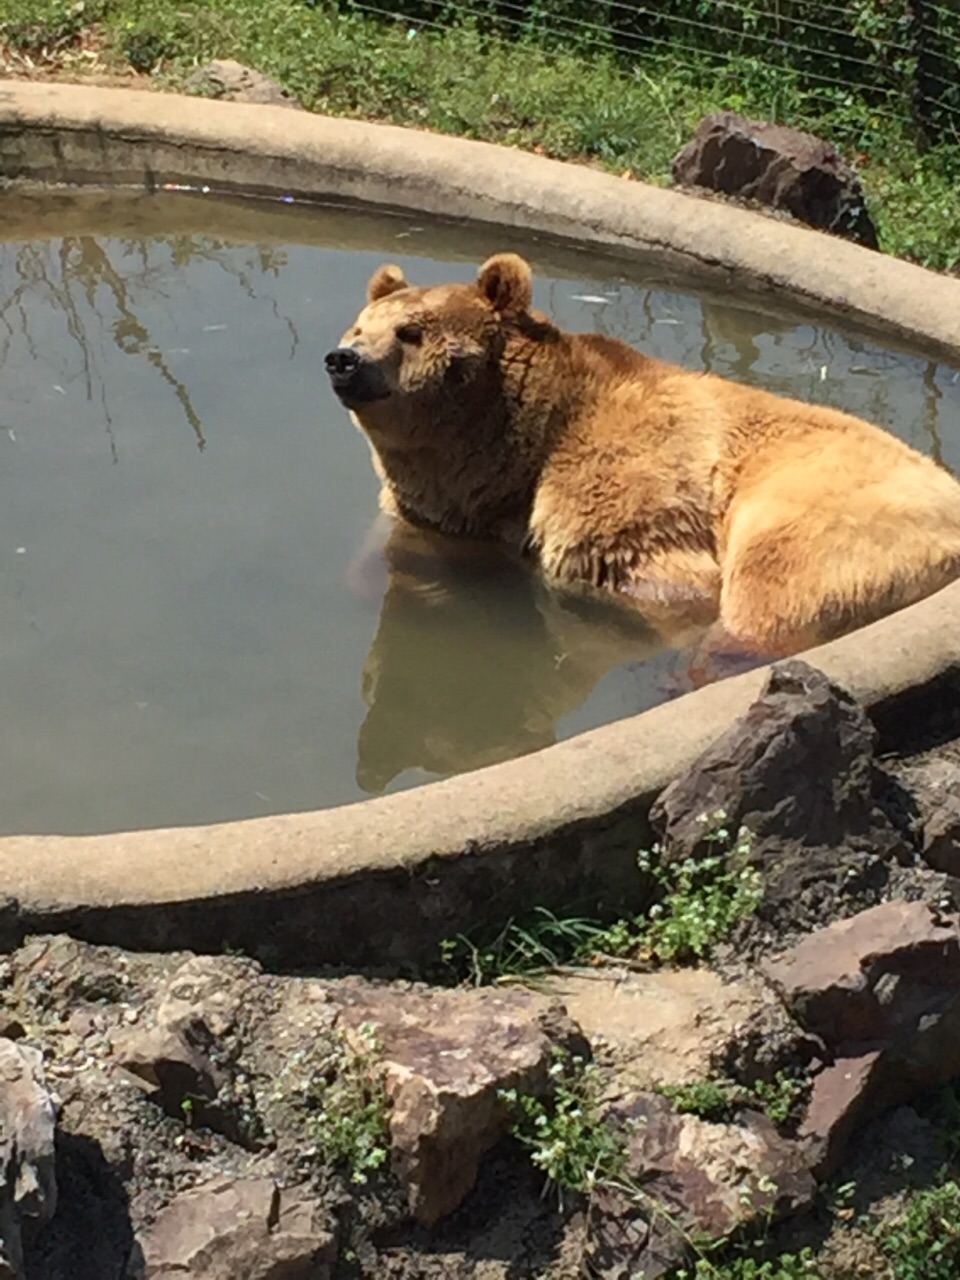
{"points": [[181, 498]]}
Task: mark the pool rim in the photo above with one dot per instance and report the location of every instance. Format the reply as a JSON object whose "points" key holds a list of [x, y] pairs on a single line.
{"points": [[381, 881]]}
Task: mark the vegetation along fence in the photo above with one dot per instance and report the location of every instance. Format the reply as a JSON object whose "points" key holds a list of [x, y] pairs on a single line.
{"points": [[901, 57]]}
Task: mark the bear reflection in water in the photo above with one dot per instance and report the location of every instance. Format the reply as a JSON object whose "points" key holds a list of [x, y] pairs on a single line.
{"points": [[475, 658]]}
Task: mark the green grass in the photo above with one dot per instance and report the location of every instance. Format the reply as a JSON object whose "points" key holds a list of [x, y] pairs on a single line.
{"points": [[701, 902], [579, 104], [789, 1266], [721, 1098]]}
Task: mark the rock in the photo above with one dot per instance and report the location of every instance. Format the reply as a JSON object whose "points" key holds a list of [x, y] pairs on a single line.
{"points": [[882, 991], [941, 836], [11, 1028], [935, 787], [699, 1180], [175, 1061], [799, 766], [186, 1053], [870, 978], [240, 1229], [53, 971], [783, 168], [840, 1101], [27, 1128], [445, 1056], [798, 770], [665, 1027], [226, 78]]}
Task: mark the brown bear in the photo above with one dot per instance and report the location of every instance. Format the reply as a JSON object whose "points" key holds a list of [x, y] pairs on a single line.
{"points": [[791, 523]]}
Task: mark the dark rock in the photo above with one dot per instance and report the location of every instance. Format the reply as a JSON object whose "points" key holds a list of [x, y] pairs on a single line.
{"points": [[698, 1178], [11, 1028], [798, 771], [799, 767], [783, 168], [240, 1229], [882, 991], [226, 78], [28, 1187], [176, 1063], [898, 1150], [840, 1101], [935, 787]]}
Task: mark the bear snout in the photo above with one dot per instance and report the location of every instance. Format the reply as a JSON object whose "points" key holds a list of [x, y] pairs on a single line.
{"points": [[355, 379], [342, 364]]}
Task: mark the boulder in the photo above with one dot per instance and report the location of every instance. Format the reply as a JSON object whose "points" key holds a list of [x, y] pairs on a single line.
{"points": [[783, 168], [799, 772], [445, 1056], [882, 992], [227, 78], [698, 1179]]}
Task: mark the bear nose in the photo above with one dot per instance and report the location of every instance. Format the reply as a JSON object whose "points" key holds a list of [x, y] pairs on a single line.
{"points": [[342, 362]]}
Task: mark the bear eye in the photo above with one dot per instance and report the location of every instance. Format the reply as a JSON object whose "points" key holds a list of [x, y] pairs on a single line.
{"points": [[411, 333]]}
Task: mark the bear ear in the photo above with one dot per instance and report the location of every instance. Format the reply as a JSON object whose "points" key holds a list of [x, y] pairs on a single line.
{"points": [[385, 280], [506, 281]]}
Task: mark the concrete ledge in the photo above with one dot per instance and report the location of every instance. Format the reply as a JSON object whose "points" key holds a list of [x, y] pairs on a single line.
{"points": [[74, 134], [380, 883]]}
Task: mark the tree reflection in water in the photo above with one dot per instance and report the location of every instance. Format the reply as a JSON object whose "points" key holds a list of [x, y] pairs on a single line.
{"points": [[100, 287]]}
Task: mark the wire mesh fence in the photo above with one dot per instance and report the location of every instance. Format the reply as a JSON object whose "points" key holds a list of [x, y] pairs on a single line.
{"points": [[900, 57]]}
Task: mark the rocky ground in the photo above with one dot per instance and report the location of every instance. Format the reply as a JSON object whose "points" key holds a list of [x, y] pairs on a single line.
{"points": [[181, 1115]]}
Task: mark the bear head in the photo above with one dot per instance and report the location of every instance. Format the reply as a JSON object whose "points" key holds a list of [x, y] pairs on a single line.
{"points": [[420, 342]]}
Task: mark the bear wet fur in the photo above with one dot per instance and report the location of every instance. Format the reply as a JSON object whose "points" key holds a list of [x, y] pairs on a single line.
{"points": [[677, 491]]}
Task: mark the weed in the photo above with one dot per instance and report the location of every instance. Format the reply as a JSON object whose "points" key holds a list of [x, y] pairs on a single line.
{"points": [[44, 29], [721, 1098], [778, 1097], [567, 1134], [579, 1148], [541, 942], [923, 1241], [709, 1099], [788, 1266], [343, 1095], [703, 898]]}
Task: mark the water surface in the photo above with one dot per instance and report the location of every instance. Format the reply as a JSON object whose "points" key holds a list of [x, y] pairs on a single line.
{"points": [[181, 499]]}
